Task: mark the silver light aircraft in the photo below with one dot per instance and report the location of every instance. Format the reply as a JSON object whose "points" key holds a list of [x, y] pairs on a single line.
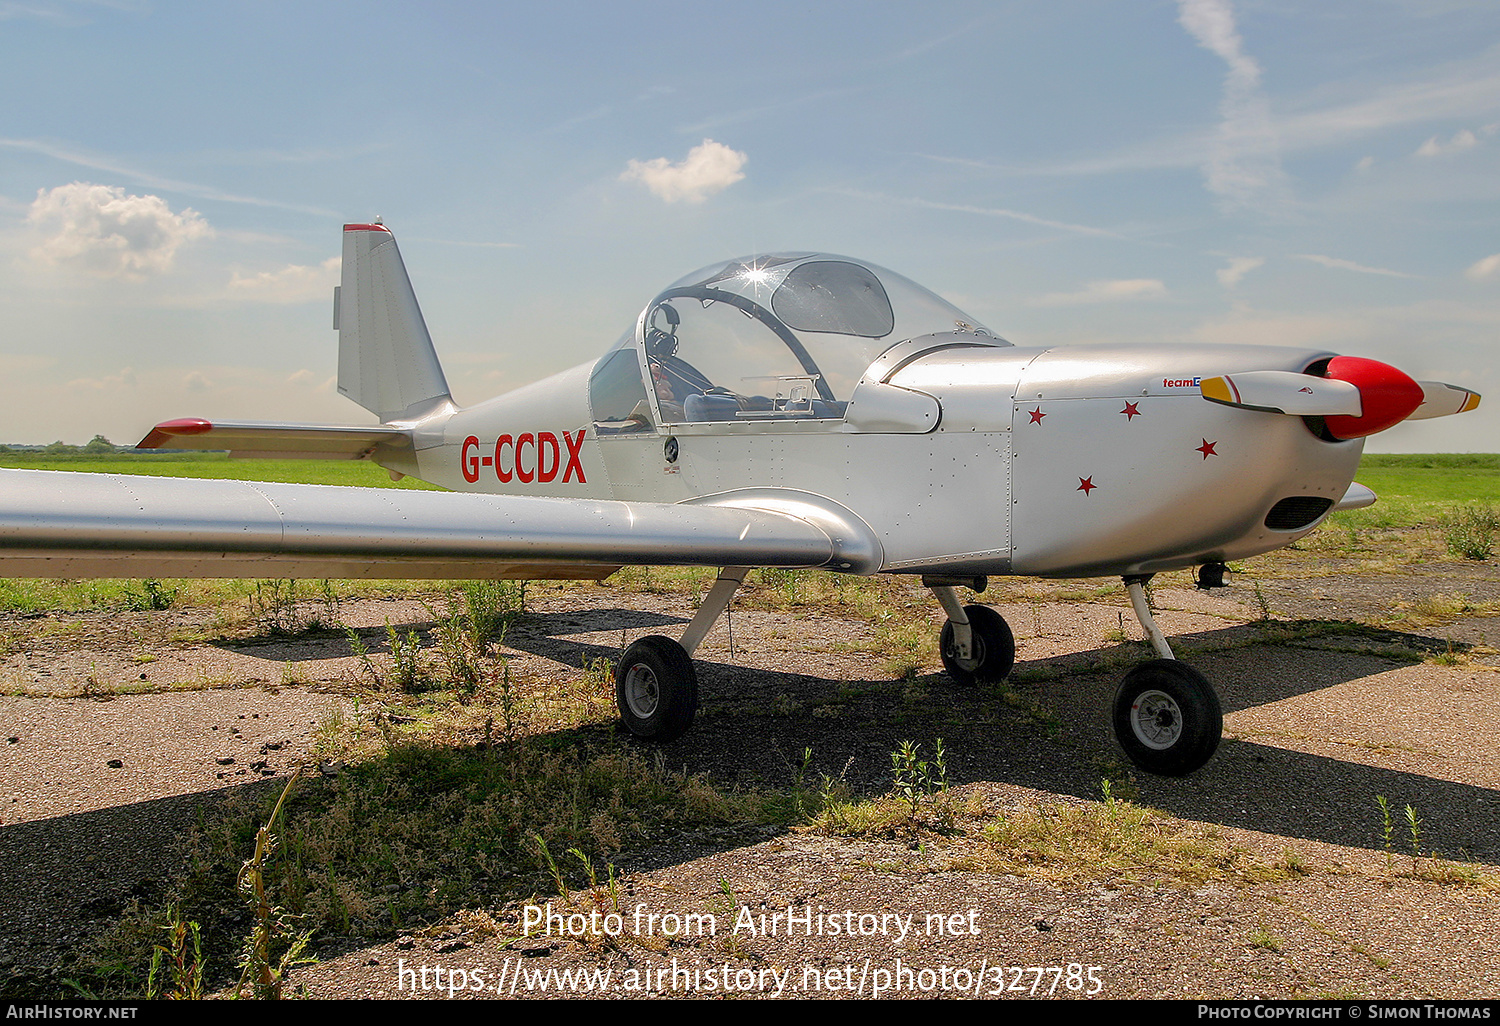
{"points": [[788, 410]]}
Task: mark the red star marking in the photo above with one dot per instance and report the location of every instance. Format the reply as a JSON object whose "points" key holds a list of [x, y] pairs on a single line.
{"points": [[1037, 415], [1130, 411], [1207, 448], [1086, 484]]}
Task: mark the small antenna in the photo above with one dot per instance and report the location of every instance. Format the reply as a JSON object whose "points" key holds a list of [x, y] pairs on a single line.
{"points": [[379, 219]]}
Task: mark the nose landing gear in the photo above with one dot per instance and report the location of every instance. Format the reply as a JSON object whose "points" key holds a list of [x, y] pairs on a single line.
{"points": [[1167, 715], [977, 644]]}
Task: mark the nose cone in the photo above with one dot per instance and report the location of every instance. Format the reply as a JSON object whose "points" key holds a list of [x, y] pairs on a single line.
{"points": [[1387, 396]]}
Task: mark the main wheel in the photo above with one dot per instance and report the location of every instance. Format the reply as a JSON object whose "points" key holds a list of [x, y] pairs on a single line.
{"points": [[656, 689], [992, 650], [1167, 717]]}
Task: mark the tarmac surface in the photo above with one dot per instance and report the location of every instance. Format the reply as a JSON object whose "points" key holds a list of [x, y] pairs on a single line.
{"points": [[98, 800]]}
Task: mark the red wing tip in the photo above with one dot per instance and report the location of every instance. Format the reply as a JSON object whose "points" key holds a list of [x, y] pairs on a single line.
{"points": [[168, 429], [185, 426], [366, 228]]}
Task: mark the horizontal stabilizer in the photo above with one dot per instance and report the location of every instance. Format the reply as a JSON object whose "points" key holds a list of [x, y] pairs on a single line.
{"points": [[1443, 400], [276, 441], [1298, 395], [72, 525]]}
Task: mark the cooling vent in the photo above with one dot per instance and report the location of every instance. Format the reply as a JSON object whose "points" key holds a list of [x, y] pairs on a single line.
{"points": [[1295, 513]]}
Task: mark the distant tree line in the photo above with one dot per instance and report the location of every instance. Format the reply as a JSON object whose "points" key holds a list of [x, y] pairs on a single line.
{"points": [[93, 447]]}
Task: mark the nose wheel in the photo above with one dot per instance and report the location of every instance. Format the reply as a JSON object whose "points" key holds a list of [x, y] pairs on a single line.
{"points": [[991, 651], [1167, 717]]}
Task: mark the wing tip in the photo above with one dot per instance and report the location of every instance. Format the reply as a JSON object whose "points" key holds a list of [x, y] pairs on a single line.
{"points": [[169, 429]]}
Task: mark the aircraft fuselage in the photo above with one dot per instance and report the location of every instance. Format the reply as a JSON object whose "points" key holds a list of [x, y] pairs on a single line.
{"points": [[1075, 461]]}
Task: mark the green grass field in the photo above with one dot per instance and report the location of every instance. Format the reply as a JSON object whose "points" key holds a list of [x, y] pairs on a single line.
{"points": [[216, 464], [1443, 477]]}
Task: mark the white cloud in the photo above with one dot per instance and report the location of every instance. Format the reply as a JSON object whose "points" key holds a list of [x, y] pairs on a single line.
{"points": [[1243, 163], [305, 377], [1462, 140], [292, 284], [122, 379], [709, 168], [100, 229], [1350, 265], [1238, 267], [1105, 292], [1486, 268]]}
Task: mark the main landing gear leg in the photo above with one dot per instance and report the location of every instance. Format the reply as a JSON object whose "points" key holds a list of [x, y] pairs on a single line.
{"points": [[977, 643], [1135, 587], [1166, 714], [656, 687]]}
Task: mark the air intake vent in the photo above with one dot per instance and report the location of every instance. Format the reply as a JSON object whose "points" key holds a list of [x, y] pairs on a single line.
{"points": [[1297, 512]]}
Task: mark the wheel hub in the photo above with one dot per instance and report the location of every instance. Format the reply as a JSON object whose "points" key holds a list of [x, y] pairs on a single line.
{"points": [[642, 692], [976, 653], [1156, 720]]}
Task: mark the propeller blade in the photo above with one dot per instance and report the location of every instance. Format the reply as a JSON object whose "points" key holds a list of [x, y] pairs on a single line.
{"points": [[1297, 395], [1355, 396], [1443, 400]]}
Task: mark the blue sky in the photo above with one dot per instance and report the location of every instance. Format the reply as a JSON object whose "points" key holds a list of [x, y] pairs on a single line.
{"points": [[173, 178]]}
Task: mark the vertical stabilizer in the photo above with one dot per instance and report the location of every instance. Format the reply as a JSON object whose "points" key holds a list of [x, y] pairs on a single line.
{"points": [[386, 360]]}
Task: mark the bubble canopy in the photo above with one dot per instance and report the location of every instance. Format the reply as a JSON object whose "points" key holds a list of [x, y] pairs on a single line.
{"points": [[780, 335]]}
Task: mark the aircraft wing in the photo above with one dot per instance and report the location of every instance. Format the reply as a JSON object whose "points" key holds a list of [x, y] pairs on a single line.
{"points": [[60, 524]]}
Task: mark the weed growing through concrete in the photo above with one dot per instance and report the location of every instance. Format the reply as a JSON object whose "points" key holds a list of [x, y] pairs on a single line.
{"points": [[1265, 939], [177, 962], [1387, 830], [915, 778], [551, 863], [1414, 828], [407, 672], [273, 607], [273, 945]]}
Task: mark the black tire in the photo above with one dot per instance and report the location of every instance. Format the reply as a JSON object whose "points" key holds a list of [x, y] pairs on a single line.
{"points": [[992, 652], [1167, 717], [656, 689]]}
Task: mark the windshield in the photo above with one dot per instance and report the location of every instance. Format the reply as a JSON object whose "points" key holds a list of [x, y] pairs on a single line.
{"points": [[811, 315], [779, 336]]}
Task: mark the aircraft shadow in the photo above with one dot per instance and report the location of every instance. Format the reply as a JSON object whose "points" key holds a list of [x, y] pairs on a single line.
{"points": [[537, 628], [1053, 736]]}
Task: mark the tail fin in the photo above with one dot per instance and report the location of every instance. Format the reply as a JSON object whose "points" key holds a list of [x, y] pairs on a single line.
{"points": [[386, 360]]}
